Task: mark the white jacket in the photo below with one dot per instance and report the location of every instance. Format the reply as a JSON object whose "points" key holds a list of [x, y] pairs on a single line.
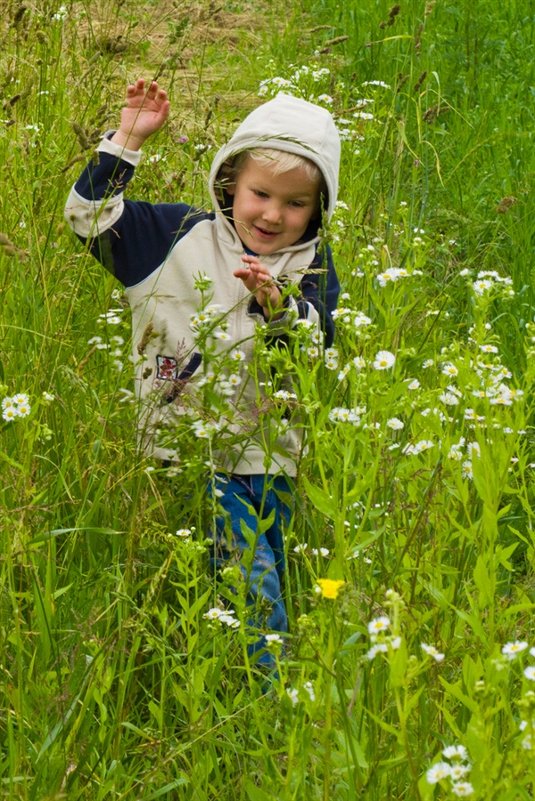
{"points": [[158, 251]]}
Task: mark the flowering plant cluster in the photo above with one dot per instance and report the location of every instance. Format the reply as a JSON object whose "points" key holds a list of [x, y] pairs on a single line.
{"points": [[454, 770], [13, 408]]}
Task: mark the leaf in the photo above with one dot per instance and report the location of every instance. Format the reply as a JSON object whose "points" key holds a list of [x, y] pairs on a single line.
{"points": [[323, 502], [455, 691], [483, 582], [180, 782], [57, 532], [255, 793]]}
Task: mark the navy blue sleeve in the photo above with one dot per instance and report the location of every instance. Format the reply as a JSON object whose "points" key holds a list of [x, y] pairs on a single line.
{"points": [[141, 239], [320, 287]]}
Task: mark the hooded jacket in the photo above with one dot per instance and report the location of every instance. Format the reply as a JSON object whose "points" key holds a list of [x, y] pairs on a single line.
{"points": [[194, 325]]}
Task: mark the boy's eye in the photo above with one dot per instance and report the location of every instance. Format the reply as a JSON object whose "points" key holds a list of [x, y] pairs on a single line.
{"points": [[260, 193], [297, 204]]}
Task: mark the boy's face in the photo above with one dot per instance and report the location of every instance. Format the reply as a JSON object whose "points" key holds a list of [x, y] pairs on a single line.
{"points": [[272, 212]]}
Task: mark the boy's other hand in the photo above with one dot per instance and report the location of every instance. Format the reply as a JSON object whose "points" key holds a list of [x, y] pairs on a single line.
{"points": [[144, 113], [259, 281]]}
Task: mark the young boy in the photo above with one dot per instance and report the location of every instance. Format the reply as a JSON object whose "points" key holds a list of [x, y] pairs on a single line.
{"points": [[272, 185]]}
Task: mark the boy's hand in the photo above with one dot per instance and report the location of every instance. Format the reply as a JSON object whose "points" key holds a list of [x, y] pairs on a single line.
{"points": [[259, 281], [145, 112]]}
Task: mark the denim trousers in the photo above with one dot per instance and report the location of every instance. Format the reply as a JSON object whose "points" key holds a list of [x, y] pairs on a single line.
{"points": [[253, 512]]}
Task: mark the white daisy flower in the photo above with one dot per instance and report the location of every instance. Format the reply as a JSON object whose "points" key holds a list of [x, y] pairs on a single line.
{"points": [[384, 360]]}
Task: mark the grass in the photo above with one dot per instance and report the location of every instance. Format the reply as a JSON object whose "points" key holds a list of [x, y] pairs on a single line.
{"points": [[417, 488]]}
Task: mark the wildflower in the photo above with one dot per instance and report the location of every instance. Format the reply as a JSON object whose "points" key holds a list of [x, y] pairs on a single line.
{"points": [[184, 533], [418, 447], [9, 413], [462, 789], [467, 469], [414, 384], [455, 452], [391, 275], [378, 648], [228, 385], [237, 355], [459, 770], [221, 334], [309, 688], [229, 620], [455, 752], [60, 14], [277, 83], [449, 369], [395, 424], [320, 552], [331, 358], [126, 395], [204, 430], [437, 772], [378, 624], [529, 673], [23, 409], [430, 650], [361, 320], [293, 695], [449, 399], [340, 415], [527, 743], [329, 588], [381, 84], [202, 281], [482, 286], [384, 360], [17, 406], [225, 616], [284, 395], [111, 317], [273, 639]]}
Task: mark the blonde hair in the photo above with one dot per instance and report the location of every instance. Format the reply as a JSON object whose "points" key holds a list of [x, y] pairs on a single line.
{"points": [[278, 161]]}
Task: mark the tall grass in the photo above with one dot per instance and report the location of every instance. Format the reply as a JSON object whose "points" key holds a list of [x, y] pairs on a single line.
{"points": [[416, 490]]}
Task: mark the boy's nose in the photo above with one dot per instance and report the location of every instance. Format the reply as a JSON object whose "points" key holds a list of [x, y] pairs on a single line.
{"points": [[272, 214]]}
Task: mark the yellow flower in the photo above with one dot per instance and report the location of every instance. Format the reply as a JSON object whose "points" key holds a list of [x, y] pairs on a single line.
{"points": [[330, 588]]}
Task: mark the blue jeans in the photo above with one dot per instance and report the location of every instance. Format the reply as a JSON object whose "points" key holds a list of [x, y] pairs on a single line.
{"points": [[245, 502]]}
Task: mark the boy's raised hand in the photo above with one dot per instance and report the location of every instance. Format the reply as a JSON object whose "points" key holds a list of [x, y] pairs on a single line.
{"points": [[259, 281], [144, 113]]}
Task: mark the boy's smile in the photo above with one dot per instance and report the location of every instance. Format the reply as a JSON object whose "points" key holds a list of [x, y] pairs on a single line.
{"points": [[272, 212]]}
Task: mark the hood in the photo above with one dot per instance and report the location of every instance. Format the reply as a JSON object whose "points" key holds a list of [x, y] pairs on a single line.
{"points": [[291, 124]]}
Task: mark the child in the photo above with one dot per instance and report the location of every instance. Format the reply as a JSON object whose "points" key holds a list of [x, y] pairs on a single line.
{"points": [[272, 186]]}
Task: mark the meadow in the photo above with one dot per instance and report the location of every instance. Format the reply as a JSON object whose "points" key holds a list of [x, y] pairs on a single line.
{"points": [[410, 666]]}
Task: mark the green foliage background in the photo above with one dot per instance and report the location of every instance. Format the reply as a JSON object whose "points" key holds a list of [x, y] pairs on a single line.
{"points": [[113, 684]]}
